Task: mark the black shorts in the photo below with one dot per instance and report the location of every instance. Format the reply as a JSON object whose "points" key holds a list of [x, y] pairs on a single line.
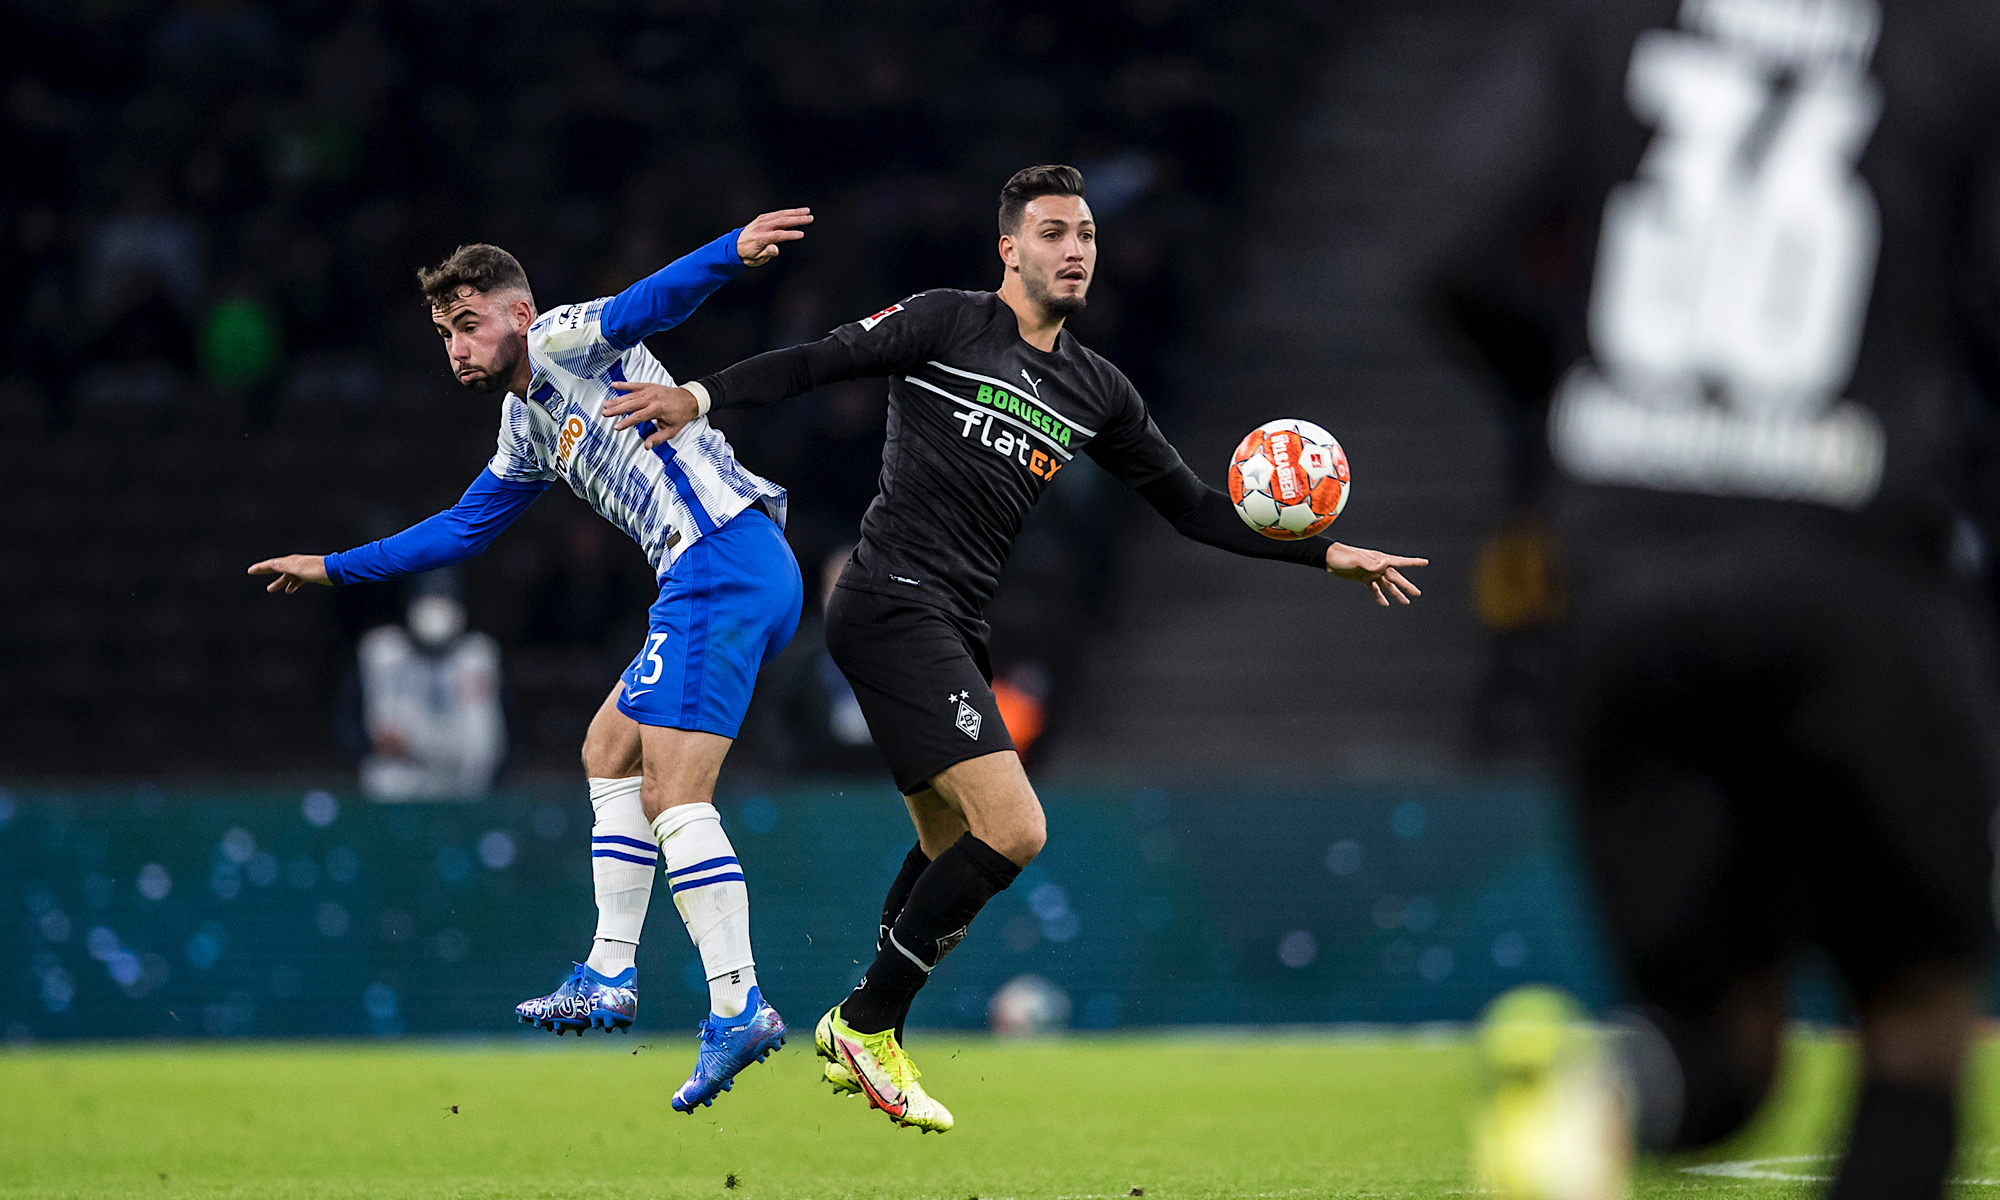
{"points": [[923, 679], [1774, 747]]}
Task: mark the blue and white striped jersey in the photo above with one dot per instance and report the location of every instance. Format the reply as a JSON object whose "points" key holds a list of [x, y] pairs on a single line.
{"points": [[664, 498]]}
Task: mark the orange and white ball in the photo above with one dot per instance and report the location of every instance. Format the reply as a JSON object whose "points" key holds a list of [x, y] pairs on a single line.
{"points": [[1288, 479]]}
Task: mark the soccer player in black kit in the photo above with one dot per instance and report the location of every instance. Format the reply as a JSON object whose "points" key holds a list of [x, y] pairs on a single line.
{"points": [[1761, 304], [989, 400]]}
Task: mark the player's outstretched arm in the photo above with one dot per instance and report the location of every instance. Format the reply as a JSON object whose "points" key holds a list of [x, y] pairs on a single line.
{"points": [[1205, 515], [293, 572], [450, 537], [670, 295]]}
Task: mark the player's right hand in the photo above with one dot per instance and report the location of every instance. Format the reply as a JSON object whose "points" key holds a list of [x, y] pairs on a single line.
{"points": [[293, 571], [668, 408]]}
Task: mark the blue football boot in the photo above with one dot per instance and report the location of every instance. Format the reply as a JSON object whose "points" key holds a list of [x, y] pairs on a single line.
{"points": [[727, 1046], [586, 1000]]}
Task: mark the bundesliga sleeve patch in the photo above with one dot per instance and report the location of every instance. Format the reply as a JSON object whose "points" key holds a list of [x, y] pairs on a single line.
{"points": [[871, 322]]}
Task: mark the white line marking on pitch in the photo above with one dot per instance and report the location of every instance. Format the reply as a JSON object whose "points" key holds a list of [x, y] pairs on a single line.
{"points": [[1766, 1168]]}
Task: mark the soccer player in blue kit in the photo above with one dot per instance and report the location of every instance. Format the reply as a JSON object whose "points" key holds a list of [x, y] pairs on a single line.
{"points": [[730, 594]]}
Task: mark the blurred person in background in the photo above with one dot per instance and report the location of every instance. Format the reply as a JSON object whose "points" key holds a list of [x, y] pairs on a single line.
{"points": [[989, 399], [729, 600], [808, 719], [430, 702], [1781, 219]]}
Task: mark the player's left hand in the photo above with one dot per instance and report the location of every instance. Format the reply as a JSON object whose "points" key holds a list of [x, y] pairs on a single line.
{"points": [[1376, 569], [668, 408], [758, 243]]}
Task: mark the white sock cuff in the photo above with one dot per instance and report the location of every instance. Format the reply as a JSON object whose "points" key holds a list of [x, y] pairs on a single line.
{"points": [[604, 791], [680, 816]]}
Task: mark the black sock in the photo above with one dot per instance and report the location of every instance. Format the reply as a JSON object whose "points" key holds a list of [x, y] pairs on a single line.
{"points": [[914, 864], [947, 895], [1900, 1144]]}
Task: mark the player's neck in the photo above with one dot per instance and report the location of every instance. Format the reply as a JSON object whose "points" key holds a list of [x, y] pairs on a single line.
{"points": [[523, 377], [1039, 327]]}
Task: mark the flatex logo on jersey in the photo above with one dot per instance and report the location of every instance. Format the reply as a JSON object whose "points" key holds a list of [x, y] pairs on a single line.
{"points": [[994, 433]]}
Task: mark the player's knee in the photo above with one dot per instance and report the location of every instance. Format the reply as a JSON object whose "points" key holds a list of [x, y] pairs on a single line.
{"points": [[1022, 839], [604, 758]]}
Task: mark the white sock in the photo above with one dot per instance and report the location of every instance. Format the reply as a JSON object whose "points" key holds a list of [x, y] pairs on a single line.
{"points": [[622, 864], [707, 885]]}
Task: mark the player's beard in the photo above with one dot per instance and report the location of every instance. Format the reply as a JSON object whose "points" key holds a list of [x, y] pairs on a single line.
{"points": [[494, 376], [1040, 294]]}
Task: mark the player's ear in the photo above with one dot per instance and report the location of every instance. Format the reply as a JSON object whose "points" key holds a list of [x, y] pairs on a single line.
{"points": [[1010, 255]]}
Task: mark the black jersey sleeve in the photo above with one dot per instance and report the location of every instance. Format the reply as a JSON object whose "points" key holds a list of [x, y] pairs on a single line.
{"points": [[888, 343], [1134, 449], [1204, 514], [1131, 447]]}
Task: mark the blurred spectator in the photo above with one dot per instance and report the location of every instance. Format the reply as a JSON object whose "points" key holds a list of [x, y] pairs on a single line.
{"points": [[805, 716], [430, 703]]}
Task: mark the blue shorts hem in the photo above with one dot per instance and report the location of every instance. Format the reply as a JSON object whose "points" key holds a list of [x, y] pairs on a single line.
{"points": [[719, 728]]}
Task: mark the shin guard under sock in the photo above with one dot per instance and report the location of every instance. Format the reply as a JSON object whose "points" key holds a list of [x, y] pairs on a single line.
{"points": [[914, 864], [947, 896], [623, 861], [1900, 1145]]}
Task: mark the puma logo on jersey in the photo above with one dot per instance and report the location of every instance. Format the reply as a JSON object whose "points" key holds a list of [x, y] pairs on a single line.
{"points": [[1034, 384]]}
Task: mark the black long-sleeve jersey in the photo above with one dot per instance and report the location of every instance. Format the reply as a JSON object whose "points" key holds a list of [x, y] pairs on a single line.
{"points": [[1762, 278], [980, 422]]}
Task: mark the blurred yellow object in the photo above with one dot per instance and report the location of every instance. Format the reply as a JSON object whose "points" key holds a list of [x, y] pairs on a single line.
{"points": [[1517, 580], [1553, 1124]]}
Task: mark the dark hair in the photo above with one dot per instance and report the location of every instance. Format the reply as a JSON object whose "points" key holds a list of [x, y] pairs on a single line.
{"points": [[481, 267], [1049, 179]]}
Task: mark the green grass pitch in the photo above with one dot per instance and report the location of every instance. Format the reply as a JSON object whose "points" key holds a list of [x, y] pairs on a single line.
{"points": [[1179, 1115]]}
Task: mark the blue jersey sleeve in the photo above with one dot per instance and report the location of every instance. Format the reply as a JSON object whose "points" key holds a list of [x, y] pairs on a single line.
{"points": [[669, 295], [452, 536]]}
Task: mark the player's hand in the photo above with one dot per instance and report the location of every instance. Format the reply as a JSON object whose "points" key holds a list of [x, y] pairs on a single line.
{"points": [[1376, 569], [758, 243], [293, 571], [668, 408]]}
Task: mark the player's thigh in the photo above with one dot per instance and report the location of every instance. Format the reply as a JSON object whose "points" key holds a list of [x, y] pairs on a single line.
{"points": [[680, 767], [998, 803], [919, 678], [611, 745], [938, 823], [1690, 887], [1902, 730]]}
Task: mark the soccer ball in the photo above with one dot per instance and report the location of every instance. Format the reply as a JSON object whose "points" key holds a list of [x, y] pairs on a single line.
{"points": [[1288, 479]]}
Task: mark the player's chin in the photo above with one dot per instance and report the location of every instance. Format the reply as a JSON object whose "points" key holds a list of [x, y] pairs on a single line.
{"points": [[480, 382], [1068, 304]]}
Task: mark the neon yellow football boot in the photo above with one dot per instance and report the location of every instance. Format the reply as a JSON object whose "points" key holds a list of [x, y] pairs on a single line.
{"points": [[1553, 1126], [836, 1073], [875, 1065]]}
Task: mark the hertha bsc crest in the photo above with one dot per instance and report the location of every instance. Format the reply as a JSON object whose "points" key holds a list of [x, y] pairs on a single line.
{"points": [[969, 719]]}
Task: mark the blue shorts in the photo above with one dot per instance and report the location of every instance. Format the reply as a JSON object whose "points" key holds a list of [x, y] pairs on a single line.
{"points": [[727, 606]]}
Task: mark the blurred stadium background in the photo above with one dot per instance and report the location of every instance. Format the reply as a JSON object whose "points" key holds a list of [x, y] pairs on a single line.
{"points": [[1269, 800]]}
